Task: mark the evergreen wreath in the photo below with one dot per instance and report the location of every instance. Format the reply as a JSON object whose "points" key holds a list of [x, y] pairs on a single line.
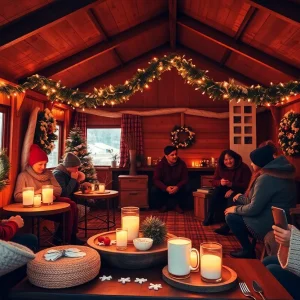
{"points": [[44, 135], [289, 134], [175, 136], [4, 169]]}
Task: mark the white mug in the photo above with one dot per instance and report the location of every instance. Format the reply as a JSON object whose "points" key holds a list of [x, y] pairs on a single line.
{"points": [[179, 257]]}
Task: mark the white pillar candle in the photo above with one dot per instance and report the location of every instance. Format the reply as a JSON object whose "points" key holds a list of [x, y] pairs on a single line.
{"points": [[212, 161], [132, 224], [37, 201], [193, 164], [121, 239], [47, 195], [28, 194], [149, 161], [211, 266], [101, 187], [92, 187]]}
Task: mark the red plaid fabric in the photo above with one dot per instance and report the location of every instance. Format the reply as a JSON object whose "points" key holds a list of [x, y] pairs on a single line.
{"points": [[80, 121], [130, 125]]}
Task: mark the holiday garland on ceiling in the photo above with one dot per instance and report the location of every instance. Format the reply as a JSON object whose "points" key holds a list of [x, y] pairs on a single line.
{"points": [[120, 93]]}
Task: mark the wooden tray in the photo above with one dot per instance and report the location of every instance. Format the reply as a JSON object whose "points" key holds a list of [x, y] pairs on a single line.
{"points": [[195, 284], [131, 258]]}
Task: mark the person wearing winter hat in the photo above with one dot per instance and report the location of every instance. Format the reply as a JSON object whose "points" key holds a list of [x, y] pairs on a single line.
{"points": [[36, 175], [272, 184], [170, 179]]}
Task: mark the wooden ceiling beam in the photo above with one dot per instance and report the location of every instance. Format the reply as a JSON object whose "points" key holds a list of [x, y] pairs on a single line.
{"points": [[283, 9], [101, 30], [172, 22], [46, 16], [102, 47], [242, 49], [246, 21]]}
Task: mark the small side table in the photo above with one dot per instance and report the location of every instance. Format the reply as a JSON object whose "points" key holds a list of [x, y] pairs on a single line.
{"points": [[107, 197], [37, 212]]}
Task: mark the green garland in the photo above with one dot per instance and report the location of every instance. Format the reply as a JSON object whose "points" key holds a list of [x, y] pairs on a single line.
{"points": [[44, 135], [4, 169], [120, 93], [289, 134], [176, 139]]}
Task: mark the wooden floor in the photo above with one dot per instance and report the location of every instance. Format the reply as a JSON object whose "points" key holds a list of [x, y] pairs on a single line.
{"points": [[185, 225]]}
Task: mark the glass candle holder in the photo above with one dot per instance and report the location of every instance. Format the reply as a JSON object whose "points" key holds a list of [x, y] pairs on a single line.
{"points": [[37, 200], [121, 238], [27, 195], [47, 194], [101, 187], [92, 187], [211, 262], [130, 219]]}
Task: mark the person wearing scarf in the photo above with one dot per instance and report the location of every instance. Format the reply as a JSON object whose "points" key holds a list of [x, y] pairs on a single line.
{"points": [[36, 175]]}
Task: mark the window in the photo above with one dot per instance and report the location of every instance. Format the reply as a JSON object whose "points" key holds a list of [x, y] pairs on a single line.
{"points": [[4, 127], [53, 158], [103, 143]]}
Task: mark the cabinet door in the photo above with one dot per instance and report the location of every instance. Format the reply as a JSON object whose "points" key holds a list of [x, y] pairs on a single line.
{"points": [[206, 180], [133, 184], [134, 198]]}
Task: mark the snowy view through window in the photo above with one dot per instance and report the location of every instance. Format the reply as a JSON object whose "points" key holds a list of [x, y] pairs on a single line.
{"points": [[53, 159], [103, 144]]}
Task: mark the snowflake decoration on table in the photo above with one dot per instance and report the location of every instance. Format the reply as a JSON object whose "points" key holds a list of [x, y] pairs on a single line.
{"points": [[175, 136], [140, 280], [105, 278], [112, 242], [123, 280], [155, 287]]}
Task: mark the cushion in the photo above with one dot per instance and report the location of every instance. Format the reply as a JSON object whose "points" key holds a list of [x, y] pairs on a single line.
{"points": [[66, 271], [13, 256]]}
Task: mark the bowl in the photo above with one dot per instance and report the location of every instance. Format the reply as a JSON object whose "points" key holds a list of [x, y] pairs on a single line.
{"points": [[143, 244]]}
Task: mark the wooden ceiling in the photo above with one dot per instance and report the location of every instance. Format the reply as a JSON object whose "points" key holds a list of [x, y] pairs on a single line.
{"points": [[78, 41]]}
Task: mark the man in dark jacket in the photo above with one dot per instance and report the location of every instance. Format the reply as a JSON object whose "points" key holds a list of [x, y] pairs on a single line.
{"points": [[170, 179]]}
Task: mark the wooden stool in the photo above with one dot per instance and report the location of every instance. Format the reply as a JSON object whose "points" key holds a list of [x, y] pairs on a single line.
{"points": [[200, 205]]}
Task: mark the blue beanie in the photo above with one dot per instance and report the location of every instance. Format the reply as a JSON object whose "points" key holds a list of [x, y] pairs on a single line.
{"points": [[262, 156]]}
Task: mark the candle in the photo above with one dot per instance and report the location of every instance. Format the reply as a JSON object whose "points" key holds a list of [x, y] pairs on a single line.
{"points": [[132, 223], [28, 194], [37, 201], [47, 194], [101, 187], [193, 164], [121, 238], [211, 266], [212, 161], [92, 187], [194, 259], [149, 161]]}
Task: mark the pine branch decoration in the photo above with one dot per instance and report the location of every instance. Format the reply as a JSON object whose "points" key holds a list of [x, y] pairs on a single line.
{"points": [[154, 228]]}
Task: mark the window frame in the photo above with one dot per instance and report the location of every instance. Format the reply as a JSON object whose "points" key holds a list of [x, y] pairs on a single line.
{"points": [[60, 124], [6, 127]]}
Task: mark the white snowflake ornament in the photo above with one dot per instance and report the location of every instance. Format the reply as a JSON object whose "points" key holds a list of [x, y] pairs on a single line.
{"points": [[140, 280], [155, 287], [105, 278], [123, 280]]}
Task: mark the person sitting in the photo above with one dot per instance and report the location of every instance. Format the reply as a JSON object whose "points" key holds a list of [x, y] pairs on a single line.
{"points": [[272, 184], [9, 232], [231, 176], [36, 175], [170, 179], [285, 267]]}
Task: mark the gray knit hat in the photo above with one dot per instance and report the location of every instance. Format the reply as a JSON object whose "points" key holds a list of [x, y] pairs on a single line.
{"points": [[71, 160]]}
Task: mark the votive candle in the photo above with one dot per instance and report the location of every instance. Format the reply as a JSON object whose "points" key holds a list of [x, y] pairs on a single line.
{"points": [[37, 200], [149, 161], [101, 187], [121, 238]]}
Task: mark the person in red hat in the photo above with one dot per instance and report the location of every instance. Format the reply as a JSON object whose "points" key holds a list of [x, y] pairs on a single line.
{"points": [[36, 175]]}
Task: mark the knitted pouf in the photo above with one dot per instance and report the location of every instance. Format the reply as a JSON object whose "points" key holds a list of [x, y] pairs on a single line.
{"points": [[64, 272]]}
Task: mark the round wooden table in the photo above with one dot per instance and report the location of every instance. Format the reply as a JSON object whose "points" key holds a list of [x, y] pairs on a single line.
{"points": [[107, 196], [38, 212]]}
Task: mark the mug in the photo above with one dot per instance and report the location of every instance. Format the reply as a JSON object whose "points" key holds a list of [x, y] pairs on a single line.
{"points": [[179, 257]]}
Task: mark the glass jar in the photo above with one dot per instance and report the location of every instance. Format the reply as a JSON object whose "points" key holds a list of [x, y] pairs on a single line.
{"points": [[130, 220], [47, 194], [27, 196]]}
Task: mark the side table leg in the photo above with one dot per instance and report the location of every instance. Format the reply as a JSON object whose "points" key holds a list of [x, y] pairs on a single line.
{"points": [[107, 213], [38, 231], [64, 228], [85, 217]]}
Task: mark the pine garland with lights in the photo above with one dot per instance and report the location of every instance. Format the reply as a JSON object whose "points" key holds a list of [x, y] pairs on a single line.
{"points": [[289, 134], [175, 137], [4, 169], [44, 135], [111, 95], [77, 145]]}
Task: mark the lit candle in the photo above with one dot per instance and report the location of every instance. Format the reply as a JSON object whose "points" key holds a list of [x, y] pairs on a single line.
{"points": [[193, 164], [28, 194], [211, 266], [37, 201], [47, 194], [149, 161], [132, 224], [92, 187], [121, 238], [101, 187], [194, 259], [212, 161]]}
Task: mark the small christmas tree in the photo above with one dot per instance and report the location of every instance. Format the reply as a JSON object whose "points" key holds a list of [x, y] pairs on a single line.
{"points": [[77, 145]]}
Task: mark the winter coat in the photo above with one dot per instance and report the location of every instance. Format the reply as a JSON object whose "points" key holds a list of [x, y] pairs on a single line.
{"points": [[240, 176], [68, 184], [275, 187], [170, 175]]}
